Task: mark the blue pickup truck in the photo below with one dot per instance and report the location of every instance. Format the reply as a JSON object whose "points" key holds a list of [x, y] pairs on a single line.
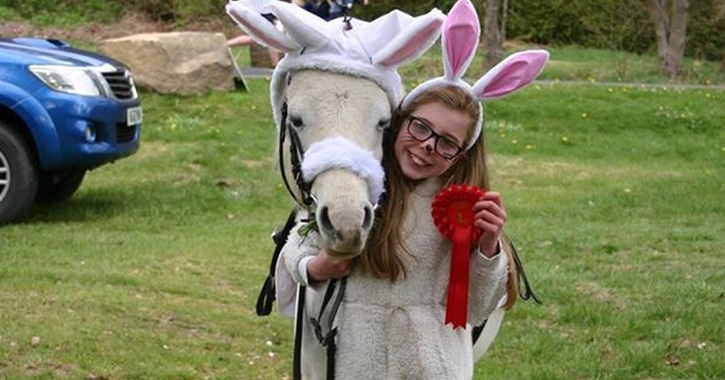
{"points": [[63, 112]]}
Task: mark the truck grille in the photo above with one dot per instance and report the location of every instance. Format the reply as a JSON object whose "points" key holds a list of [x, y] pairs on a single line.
{"points": [[125, 133], [121, 84]]}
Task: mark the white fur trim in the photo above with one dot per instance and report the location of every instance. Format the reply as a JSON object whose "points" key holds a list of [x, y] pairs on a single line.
{"points": [[342, 153]]}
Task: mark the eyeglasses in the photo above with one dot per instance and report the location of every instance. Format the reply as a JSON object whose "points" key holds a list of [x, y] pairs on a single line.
{"points": [[421, 131]]}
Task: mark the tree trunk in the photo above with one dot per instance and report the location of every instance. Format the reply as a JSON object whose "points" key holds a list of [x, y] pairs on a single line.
{"points": [[670, 19], [494, 33]]}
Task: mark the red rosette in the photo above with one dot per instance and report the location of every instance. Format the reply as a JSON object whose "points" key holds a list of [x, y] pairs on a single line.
{"points": [[453, 215]]}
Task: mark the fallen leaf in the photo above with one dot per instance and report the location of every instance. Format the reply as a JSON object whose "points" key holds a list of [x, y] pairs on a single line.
{"points": [[607, 353], [672, 360]]}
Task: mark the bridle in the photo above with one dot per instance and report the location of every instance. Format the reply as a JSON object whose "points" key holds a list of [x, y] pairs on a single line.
{"points": [[296, 156]]}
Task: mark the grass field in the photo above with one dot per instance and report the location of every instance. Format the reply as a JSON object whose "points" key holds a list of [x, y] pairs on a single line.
{"points": [[615, 198]]}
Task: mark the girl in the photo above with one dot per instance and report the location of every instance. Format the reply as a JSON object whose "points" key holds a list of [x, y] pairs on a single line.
{"points": [[390, 324]]}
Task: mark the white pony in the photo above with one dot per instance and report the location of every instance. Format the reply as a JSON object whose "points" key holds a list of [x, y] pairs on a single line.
{"points": [[332, 97]]}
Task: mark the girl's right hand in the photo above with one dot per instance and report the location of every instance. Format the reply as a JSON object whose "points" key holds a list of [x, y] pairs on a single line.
{"points": [[324, 267]]}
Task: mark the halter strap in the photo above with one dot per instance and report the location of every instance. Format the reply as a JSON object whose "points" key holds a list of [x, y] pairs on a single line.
{"points": [[296, 157]]}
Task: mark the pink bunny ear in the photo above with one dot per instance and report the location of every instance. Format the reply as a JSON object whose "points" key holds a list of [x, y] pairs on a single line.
{"points": [[257, 27], [513, 73], [461, 32], [408, 41]]}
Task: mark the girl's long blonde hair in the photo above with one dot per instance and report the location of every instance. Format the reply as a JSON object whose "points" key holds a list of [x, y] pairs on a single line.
{"points": [[381, 256]]}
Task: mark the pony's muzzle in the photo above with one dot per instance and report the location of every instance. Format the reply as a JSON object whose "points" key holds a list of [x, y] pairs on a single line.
{"points": [[345, 239], [344, 214]]}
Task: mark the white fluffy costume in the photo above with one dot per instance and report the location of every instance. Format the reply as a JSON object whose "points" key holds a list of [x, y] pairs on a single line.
{"points": [[395, 330]]}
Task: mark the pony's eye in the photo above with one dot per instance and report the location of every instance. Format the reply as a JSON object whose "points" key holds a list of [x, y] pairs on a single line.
{"points": [[296, 121], [383, 123]]}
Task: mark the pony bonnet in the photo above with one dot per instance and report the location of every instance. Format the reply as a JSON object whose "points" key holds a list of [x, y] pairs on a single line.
{"points": [[461, 33], [371, 50]]}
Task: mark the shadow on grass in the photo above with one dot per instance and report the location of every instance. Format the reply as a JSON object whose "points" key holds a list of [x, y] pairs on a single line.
{"points": [[88, 207]]}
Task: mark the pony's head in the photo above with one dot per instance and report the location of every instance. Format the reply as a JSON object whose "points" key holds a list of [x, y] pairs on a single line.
{"points": [[332, 97]]}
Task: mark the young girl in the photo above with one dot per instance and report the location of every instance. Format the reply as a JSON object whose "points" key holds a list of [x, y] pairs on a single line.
{"points": [[391, 319]]}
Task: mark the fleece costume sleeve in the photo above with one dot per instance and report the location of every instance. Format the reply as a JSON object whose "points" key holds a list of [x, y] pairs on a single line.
{"points": [[487, 285], [297, 252]]}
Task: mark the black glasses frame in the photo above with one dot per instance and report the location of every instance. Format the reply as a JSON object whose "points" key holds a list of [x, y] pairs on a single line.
{"points": [[431, 133]]}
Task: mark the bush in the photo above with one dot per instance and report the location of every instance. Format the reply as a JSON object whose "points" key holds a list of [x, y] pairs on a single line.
{"points": [[611, 24], [63, 13]]}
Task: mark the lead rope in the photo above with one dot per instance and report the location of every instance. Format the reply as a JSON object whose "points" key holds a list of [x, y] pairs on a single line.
{"points": [[527, 292]]}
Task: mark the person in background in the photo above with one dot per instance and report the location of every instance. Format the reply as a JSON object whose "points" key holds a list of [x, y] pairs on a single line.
{"points": [[245, 40], [321, 8], [338, 6]]}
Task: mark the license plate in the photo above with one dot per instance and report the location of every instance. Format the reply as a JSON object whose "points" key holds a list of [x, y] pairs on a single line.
{"points": [[134, 116]]}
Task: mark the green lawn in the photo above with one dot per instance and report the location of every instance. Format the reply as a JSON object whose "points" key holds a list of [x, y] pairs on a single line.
{"points": [[573, 63], [615, 198], [569, 63]]}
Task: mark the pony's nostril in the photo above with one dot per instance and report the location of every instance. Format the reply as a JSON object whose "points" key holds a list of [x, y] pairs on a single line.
{"points": [[368, 217], [324, 219]]}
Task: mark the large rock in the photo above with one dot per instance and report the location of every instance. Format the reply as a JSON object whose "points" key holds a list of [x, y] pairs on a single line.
{"points": [[180, 63]]}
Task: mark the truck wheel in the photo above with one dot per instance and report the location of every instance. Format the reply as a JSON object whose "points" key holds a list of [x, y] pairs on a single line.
{"points": [[18, 176], [57, 187]]}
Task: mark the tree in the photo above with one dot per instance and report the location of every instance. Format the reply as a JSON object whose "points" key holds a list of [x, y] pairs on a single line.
{"points": [[494, 32], [670, 19]]}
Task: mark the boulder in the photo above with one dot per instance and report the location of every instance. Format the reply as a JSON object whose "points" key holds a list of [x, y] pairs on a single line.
{"points": [[183, 63]]}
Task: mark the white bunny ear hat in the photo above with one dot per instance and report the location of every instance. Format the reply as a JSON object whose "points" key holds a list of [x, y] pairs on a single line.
{"points": [[371, 50], [461, 32]]}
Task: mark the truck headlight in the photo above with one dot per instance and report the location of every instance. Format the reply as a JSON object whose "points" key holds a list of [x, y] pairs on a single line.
{"points": [[73, 80]]}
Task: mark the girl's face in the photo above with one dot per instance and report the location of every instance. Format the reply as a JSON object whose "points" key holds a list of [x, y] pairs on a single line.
{"points": [[421, 159]]}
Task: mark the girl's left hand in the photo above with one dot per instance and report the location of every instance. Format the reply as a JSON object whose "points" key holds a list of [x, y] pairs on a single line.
{"points": [[489, 216]]}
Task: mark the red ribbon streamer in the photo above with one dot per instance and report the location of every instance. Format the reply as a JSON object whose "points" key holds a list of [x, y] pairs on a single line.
{"points": [[452, 212]]}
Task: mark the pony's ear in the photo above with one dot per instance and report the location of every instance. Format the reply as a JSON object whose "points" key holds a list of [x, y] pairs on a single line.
{"points": [[407, 38], [513, 73], [248, 16], [461, 33], [305, 28]]}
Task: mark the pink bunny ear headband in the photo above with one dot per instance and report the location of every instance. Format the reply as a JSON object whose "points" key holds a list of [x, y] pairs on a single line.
{"points": [[371, 50], [461, 32]]}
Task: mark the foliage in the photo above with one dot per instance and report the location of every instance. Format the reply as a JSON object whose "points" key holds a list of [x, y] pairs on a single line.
{"points": [[706, 30], [614, 196], [616, 24], [592, 23], [62, 13]]}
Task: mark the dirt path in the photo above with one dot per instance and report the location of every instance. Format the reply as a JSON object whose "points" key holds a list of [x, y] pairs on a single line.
{"points": [[128, 25]]}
